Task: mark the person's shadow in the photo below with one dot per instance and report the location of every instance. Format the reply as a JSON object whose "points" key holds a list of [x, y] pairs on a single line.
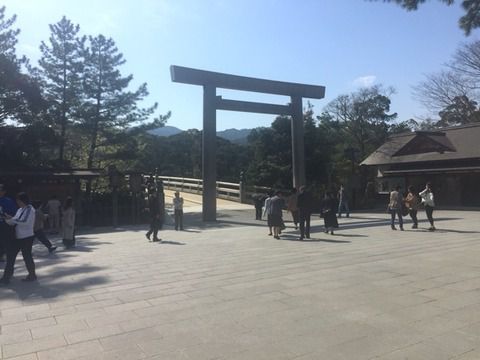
{"points": [[288, 237], [168, 242]]}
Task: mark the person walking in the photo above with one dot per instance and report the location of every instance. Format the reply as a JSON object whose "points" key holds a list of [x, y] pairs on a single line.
{"points": [[342, 201], [54, 211], [156, 217], [429, 203], [68, 224], [277, 204], [258, 201], [411, 202], [38, 227], [7, 233], [267, 211], [23, 222], [304, 204], [395, 207], [328, 212], [178, 210], [292, 206]]}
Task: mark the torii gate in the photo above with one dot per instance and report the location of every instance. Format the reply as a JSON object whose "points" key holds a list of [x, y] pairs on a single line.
{"points": [[211, 103]]}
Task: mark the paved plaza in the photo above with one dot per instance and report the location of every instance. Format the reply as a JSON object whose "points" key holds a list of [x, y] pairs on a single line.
{"points": [[229, 291]]}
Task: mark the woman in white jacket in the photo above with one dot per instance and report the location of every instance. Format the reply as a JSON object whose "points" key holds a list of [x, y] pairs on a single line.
{"points": [[23, 221], [429, 203]]}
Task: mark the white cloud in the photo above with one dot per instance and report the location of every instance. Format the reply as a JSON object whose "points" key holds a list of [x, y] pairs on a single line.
{"points": [[365, 81]]}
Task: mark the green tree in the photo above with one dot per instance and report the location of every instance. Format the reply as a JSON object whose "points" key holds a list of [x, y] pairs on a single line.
{"points": [[61, 67], [272, 154], [25, 147], [20, 97], [330, 146], [364, 118], [468, 22], [461, 111], [403, 126], [319, 150], [128, 148], [108, 107], [177, 155], [8, 35]]}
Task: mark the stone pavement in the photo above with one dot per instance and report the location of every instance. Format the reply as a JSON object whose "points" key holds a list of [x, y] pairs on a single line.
{"points": [[229, 291]]}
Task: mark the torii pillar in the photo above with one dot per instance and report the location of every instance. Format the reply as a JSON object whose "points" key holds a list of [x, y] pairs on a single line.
{"points": [[211, 103]]}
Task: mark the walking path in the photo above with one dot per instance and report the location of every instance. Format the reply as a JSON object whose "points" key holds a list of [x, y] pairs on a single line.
{"points": [[226, 290]]}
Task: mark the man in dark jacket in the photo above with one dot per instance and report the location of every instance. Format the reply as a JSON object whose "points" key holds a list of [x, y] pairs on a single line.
{"points": [[7, 233], [156, 211]]}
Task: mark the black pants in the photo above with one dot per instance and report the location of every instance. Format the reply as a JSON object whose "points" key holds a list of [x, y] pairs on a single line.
{"points": [[7, 234], [40, 235], [258, 213], [413, 215], [429, 211], [13, 247], [155, 225], [295, 217], [178, 219], [304, 219]]}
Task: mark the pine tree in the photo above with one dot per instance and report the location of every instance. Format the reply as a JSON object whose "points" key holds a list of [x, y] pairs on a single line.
{"points": [[8, 36], [60, 68], [109, 107]]}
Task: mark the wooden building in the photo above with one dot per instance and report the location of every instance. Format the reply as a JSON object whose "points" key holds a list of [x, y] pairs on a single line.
{"points": [[41, 184], [448, 157]]}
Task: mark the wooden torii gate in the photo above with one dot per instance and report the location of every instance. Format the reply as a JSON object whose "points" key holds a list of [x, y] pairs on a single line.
{"points": [[211, 103]]}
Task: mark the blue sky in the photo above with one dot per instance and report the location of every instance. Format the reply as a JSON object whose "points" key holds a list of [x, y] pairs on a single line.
{"points": [[340, 44]]}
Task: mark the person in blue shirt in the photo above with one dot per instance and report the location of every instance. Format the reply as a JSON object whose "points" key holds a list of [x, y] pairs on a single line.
{"points": [[7, 233]]}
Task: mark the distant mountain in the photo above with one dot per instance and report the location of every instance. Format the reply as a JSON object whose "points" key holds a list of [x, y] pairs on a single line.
{"points": [[166, 131], [234, 135]]}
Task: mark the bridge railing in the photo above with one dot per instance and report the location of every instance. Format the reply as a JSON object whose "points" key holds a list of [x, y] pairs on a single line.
{"points": [[225, 190]]}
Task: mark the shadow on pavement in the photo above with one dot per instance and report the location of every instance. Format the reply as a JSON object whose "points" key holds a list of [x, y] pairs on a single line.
{"points": [[383, 222], [437, 230], [63, 280], [168, 242], [49, 286], [236, 218], [288, 237]]}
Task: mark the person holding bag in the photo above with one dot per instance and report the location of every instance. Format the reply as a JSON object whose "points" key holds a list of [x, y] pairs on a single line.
{"points": [[411, 202], [429, 203], [328, 213], [23, 221]]}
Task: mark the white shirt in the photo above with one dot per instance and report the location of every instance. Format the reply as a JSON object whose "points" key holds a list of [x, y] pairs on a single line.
{"points": [[54, 206], [427, 198], [267, 206], [24, 220], [178, 203]]}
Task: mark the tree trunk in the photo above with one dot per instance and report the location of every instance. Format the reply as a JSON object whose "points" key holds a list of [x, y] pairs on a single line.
{"points": [[63, 124]]}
